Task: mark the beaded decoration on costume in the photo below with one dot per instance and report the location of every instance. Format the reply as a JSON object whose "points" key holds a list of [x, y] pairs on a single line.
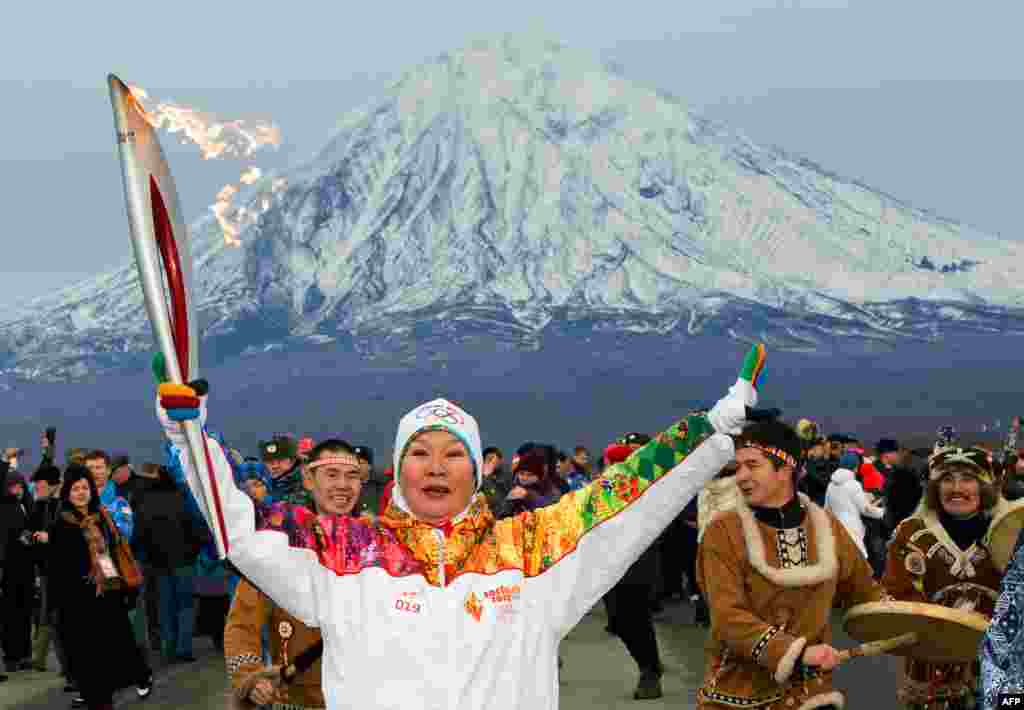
{"points": [[791, 545]]}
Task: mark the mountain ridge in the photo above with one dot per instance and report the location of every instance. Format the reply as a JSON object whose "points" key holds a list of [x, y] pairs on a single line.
{"points": [[517, 185]]}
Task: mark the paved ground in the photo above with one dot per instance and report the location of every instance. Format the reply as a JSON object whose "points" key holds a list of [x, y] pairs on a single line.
{"points": [[598, 673]]}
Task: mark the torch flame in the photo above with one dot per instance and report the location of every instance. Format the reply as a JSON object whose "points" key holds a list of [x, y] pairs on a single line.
{"points": [[233, 220], [215, 138]]}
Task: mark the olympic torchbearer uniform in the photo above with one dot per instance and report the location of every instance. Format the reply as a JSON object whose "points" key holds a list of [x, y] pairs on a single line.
{"points": [[469, 614]]}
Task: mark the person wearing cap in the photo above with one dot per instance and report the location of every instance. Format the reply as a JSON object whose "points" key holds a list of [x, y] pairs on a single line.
{"points": [[628, 603], [468, 611], [17, 573], [846, 499], [938, 556], [375, 483], [280, 456], [253, 478], [127, 484], [772, 569], [497, 479], [818, 470], [536, 485], [168, 539], [903, 487], [44, 514], [334, 479]]}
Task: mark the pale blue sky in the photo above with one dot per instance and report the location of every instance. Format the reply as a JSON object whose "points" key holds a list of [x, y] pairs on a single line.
{"points": [[920, 99]]}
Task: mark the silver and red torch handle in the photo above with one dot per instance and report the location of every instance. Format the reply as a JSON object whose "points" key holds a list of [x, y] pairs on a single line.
{"points": [[160, 242]]}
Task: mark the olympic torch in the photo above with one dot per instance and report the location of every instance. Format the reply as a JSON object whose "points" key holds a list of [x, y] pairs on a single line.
{"points": [[160, 242]]}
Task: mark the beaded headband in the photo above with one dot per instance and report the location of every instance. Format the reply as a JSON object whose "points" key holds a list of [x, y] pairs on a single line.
{"points": [[783, 456], [331, 460]]}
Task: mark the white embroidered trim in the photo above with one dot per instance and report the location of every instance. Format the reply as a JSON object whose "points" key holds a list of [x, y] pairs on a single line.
{"points": [[236, 662], [825, 568]]}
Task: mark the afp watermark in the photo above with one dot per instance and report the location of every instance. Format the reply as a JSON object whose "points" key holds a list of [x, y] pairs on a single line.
{"points": [[1011, 700]]}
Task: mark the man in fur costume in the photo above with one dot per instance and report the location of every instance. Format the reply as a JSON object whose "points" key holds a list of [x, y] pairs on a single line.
{"points": [[938, 555], [719, 495], [772, 569], [334, 480]]}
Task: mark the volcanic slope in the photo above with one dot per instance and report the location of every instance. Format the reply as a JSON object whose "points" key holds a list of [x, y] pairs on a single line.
{"points": [[518, 188]]}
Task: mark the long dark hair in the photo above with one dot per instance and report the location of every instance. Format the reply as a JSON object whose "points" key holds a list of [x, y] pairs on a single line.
{"points": [[73, 474]]}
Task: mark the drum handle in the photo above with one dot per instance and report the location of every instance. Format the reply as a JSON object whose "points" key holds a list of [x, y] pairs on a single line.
{"points": [[877, 648]]}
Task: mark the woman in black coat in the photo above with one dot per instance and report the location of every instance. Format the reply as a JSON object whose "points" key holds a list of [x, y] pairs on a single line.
{"points": [[91, 600]]}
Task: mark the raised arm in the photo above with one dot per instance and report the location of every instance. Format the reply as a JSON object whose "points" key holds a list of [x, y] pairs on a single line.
{"points": [[590, 537], [291, 576]]}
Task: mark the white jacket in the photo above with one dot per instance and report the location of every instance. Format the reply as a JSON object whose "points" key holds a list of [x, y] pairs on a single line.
{"points": [[471, 618], [846, 499]]}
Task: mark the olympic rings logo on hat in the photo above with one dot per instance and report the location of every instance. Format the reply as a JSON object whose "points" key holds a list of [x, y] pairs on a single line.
{"points": [[443, 413]]}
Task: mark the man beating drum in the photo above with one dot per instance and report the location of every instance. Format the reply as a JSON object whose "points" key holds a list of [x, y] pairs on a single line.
{"points": [[772, 569]]}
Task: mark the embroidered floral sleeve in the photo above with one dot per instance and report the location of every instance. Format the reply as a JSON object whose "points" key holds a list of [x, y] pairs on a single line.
{"points": [[555, 530], [1002, 650], [583, 544]]}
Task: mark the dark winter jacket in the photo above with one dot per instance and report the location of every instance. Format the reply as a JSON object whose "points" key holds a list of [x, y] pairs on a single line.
{"points": [[902, 493], [15, 556], [167, 536], [1013, 487], [815, 482], [496, 487], [44, 516], [133, 489], [544, 491], [97, 635], [373, 489]]}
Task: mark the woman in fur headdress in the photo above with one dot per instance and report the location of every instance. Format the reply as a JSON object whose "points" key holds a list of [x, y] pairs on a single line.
{"points": [[939, 556]]}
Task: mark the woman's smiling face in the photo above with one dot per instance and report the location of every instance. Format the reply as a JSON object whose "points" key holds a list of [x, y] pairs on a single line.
{"points": [[436, 476]]}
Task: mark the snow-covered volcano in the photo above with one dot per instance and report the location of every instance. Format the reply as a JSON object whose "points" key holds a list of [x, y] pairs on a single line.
{"points": [[519, 187]]}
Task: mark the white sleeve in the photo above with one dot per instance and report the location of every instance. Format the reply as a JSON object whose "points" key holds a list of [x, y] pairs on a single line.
{"points": [[865, 506], [286, 574], [596, 533]]}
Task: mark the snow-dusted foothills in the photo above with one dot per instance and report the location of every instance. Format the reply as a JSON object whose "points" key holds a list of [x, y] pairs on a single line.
{"points": [[518, 185]]}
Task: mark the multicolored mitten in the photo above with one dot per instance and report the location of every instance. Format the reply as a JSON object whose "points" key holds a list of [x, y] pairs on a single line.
{"points": [[181, 402], [729, 415], [753, 365], [178, 403]]}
